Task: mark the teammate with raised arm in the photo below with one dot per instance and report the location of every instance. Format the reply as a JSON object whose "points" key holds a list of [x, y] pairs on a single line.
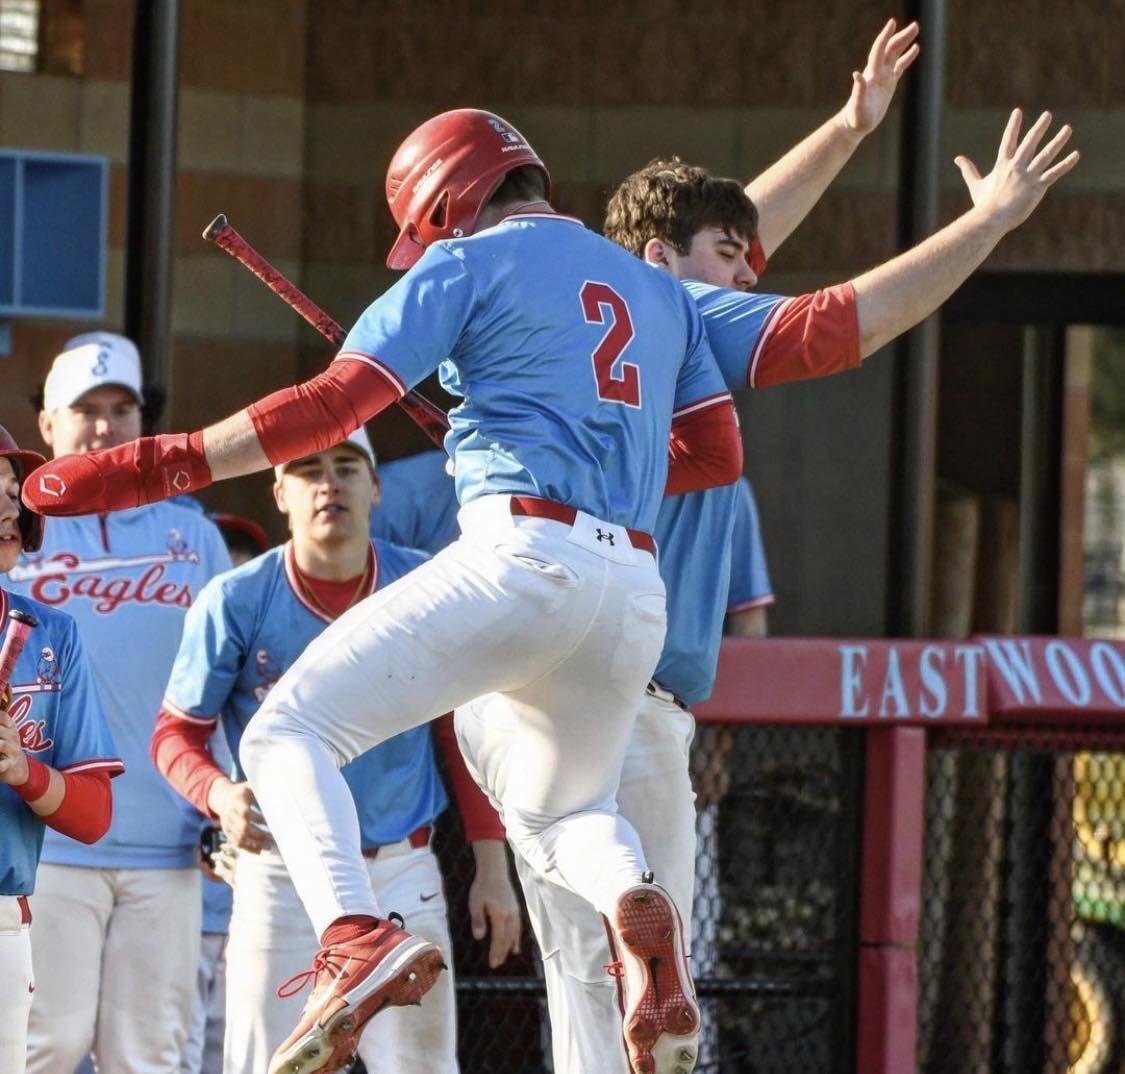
{"points": [[706, 232], [56, 754], [588, 389]]}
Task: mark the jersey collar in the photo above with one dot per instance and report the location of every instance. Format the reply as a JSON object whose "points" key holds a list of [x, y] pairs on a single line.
{"points": [[520, 214], [290, 562]]}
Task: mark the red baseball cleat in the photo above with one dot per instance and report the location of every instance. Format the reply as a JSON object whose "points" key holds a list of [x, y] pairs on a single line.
{"points": [[660, 1016], [352, 982]]}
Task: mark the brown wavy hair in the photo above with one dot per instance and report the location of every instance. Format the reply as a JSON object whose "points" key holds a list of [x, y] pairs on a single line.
{"points": [[674, 201]]}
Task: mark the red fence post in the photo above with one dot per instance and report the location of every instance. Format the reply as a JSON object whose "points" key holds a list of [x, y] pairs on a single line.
{"points": [[894, 798]]}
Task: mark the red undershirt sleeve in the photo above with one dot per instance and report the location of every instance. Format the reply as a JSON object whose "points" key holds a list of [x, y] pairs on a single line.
{"points": [[321, 412], [812, 335], [704, 449], [87, 806], [181, 754], [478, 817]]}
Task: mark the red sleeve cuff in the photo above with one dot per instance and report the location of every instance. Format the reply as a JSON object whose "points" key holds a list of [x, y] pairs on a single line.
{"points": [[809, 336], [87, 806], [182, 756]]}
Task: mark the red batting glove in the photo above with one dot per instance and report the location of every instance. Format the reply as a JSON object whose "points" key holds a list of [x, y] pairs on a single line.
{"points": [[143, 471]]}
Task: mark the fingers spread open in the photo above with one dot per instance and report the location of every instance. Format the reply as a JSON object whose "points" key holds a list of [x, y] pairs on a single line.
{"points": [[1032, 139], [1011, 135], [1051, 149], [1060, 169]]}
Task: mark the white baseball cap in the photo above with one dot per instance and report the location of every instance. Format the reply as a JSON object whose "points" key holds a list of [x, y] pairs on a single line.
{"points": [[358, 440], [90, 361]]}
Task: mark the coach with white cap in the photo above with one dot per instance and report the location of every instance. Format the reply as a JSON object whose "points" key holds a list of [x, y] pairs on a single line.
{"points": [[116, 937]]}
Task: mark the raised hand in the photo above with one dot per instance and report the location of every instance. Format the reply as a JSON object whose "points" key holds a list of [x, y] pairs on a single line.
{"points": [[1023, 172], [874, 87]]}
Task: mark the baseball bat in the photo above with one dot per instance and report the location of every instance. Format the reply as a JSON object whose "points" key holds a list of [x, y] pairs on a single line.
{"points": [[20, 625], [427, 416]]}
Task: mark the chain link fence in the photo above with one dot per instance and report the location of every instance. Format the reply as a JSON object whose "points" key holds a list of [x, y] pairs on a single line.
{"points": [[775, 914], [1022, 954]]}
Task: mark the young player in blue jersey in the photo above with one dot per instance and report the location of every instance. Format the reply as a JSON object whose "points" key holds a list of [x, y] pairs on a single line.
{"points": [[247, 627], [417, 506], [112, 976], [705, 232], [588, 391], [56, 754]]}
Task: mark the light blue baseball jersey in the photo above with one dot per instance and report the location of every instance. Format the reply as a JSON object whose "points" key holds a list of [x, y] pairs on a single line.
{"points": [[749, 572], [56, 708], [570, 355], [738, 325], [128, 579], [418, 505], [247, 628], [698, 532]]}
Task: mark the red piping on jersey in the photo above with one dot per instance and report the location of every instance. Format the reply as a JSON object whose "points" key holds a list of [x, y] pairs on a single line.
{"points": [[701, 404], [538, 214], [113, 765], [371, 360], [748, 605], [292, 571], [809, 336]]}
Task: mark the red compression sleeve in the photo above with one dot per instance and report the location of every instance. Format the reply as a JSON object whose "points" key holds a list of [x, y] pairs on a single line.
{"points": [[142, 471], [86, 809], [705, 449], [180, 752], [808, 336], [480, 820], [321, 412]]}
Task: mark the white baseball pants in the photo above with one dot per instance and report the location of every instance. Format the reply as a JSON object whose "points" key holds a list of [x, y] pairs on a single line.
{"points": [[203, 1052], [271, 939], [115, 954], [656, 796], [17, 984], [565, 628]]}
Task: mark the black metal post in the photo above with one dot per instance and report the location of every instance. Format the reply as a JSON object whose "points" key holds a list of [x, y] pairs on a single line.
{"points": [[915, 419], [152, 179]]}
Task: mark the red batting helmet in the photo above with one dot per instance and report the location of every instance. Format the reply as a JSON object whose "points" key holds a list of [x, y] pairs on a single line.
{"points": [[443, 175], [23, 462]]}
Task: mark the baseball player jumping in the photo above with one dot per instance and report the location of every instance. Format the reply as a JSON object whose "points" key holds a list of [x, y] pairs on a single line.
{"points": [[705, 231], [588, 389], [56, 754], [247, 627]]}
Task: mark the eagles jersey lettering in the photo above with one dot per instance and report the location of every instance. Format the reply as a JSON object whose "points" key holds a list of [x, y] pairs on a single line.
{"points": [[128, 579], [61, 723]]}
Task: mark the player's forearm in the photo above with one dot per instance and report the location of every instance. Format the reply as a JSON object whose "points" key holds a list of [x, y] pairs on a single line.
{"points": [[181, 754], [77, 804], [897, 295], [788, 189], [704, 449]]}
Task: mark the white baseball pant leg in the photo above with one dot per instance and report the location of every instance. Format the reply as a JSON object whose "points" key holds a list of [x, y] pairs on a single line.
{"points": [[203, 1052], [528, 607], [17, 983], [116, 953], [271, 939], [656, 796]]}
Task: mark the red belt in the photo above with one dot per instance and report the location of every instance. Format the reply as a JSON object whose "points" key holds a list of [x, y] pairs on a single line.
{"points": [[420, 837], [25, 909], [534, 507]]}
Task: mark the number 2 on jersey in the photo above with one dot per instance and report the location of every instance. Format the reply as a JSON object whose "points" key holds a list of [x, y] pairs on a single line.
{"points": [[601, 304]]}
